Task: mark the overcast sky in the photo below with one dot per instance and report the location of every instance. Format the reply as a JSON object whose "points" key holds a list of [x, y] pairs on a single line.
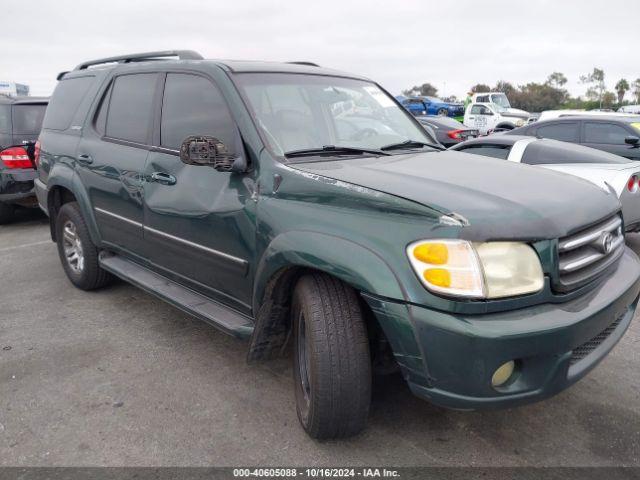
{"points": [[453, 44]]}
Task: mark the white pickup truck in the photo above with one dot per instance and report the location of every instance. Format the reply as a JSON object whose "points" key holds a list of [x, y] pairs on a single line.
{"points": [[490, 111]]}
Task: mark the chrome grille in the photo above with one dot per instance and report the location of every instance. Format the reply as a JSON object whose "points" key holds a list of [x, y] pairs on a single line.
{"points": [[587, 347], [584, 255]]}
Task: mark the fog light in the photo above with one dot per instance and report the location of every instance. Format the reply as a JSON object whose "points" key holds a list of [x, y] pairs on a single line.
{"points": [[503, 373]]}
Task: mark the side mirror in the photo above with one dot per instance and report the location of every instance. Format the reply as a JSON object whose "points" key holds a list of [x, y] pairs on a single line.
{"points": [[631, 140], [205, 150]]}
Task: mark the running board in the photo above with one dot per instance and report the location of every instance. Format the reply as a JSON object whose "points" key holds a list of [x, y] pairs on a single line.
{"points": [[210, 311]]}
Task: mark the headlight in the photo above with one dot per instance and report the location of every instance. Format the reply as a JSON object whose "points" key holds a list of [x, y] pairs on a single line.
{"points": [[476, 270]]}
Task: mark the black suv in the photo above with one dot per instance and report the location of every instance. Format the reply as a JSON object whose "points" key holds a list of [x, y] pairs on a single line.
{"points": [[619, 134], [20, 124], [296, 205]]}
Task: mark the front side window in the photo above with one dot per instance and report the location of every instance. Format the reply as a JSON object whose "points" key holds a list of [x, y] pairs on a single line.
{"points": [[565, 132], [130, 107], [604, 133], [300, 112], [27, 119], [192, 105]]}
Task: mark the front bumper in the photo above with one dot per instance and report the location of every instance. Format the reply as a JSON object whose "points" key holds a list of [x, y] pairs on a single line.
{"points": [[449, 359], [16, 186]]}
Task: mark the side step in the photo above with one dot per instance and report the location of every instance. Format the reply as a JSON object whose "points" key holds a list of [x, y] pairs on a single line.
{"points": [[218, 315]]}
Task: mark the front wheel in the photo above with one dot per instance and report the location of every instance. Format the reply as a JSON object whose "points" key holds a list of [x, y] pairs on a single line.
{"points": [[443, 112], [78, 254], [331, 362]]}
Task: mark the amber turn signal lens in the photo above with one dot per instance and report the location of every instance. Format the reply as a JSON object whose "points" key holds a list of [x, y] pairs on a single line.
{"points": [[438, 276], [433, 253]]}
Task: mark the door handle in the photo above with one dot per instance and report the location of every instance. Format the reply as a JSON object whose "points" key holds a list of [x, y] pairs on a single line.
{"points": [[163, 178], [85, 159]]}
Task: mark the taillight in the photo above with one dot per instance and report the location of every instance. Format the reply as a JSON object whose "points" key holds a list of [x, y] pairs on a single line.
{"points": [[632, 184], [36, 153], [455, 134], [15, 157]]}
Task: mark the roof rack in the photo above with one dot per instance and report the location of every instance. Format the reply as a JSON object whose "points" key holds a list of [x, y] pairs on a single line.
{"points": [[142, 57], [308, 64]]}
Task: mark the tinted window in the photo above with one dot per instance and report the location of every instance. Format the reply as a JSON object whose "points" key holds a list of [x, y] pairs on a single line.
{"points": [[604, 133], [549, 152], [192, 105], [483, 99], [5, 119], [495, 151], [130, 107], [27, 119], [65, 102], [100, 121], [566, 132]]}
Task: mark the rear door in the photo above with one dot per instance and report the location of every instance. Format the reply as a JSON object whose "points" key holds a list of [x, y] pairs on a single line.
{"points": [[611, 138], [112, 155], [565, 131], [199, 222]]}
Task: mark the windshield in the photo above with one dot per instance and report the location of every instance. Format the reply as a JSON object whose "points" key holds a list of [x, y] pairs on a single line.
{"points": [[300, 112], [501, 101]]}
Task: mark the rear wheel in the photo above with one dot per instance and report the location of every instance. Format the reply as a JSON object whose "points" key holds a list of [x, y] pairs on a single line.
{"points": [[6, 213], [78, 254], [331, 364]]}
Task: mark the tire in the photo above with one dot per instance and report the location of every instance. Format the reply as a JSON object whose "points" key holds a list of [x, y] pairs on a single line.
{"points": [[6, 213], [443, 112], [72, 236], [331, 361]]}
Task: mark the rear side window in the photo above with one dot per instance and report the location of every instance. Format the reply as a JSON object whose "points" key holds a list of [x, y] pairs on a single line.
{"points": [[5, 119], [604, 133], [65, 102], [565, 132], [192, 105], [130, 108], [495, 151], [27, 119]]}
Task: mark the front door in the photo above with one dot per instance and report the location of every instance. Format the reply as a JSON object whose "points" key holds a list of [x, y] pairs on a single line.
{"points": [[111, 159], [611, 138], [199, 222]]}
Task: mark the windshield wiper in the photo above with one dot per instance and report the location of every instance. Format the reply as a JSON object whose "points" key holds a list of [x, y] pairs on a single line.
{"points": [[411, 144], [333, 150]]}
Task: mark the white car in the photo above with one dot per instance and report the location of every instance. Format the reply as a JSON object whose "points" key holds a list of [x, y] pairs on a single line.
{"points": [[489, 117], [551, 114], [501, 102], [612, 173]]}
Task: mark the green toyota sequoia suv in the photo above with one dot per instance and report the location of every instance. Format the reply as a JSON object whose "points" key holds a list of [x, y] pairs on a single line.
{"points": [[302, 207]]}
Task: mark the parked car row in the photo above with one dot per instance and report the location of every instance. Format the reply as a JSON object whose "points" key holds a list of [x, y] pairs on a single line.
{"points": [[288, 204]]}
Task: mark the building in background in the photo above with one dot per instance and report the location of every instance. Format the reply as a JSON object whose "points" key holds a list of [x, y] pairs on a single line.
{"points": [[13, 89]]}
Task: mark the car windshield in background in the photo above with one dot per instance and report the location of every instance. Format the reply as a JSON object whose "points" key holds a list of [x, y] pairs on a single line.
{"points": [[310, 112], [500, 100], [27, 119]]}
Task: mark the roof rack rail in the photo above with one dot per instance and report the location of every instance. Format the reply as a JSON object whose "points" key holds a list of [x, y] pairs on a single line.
{"points": [[308, 64], [141, 57]]}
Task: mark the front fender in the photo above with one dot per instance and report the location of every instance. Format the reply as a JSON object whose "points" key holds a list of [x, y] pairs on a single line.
{"points": [[64, 176], [354, 264]]}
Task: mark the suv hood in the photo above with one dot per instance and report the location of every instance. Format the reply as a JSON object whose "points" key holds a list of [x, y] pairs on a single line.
{"points": [[498, 199]]}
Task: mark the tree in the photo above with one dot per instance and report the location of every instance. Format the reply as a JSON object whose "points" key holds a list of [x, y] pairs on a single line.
{"points": [[597, 86], [505, 87], [536, 97], [636, 89], [480, 88], [621, 87], [608, 99], [556, 80], [424, 90]]}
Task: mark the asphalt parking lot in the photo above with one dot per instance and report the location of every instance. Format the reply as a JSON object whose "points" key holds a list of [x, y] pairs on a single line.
{"points": [[117, 377]]}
